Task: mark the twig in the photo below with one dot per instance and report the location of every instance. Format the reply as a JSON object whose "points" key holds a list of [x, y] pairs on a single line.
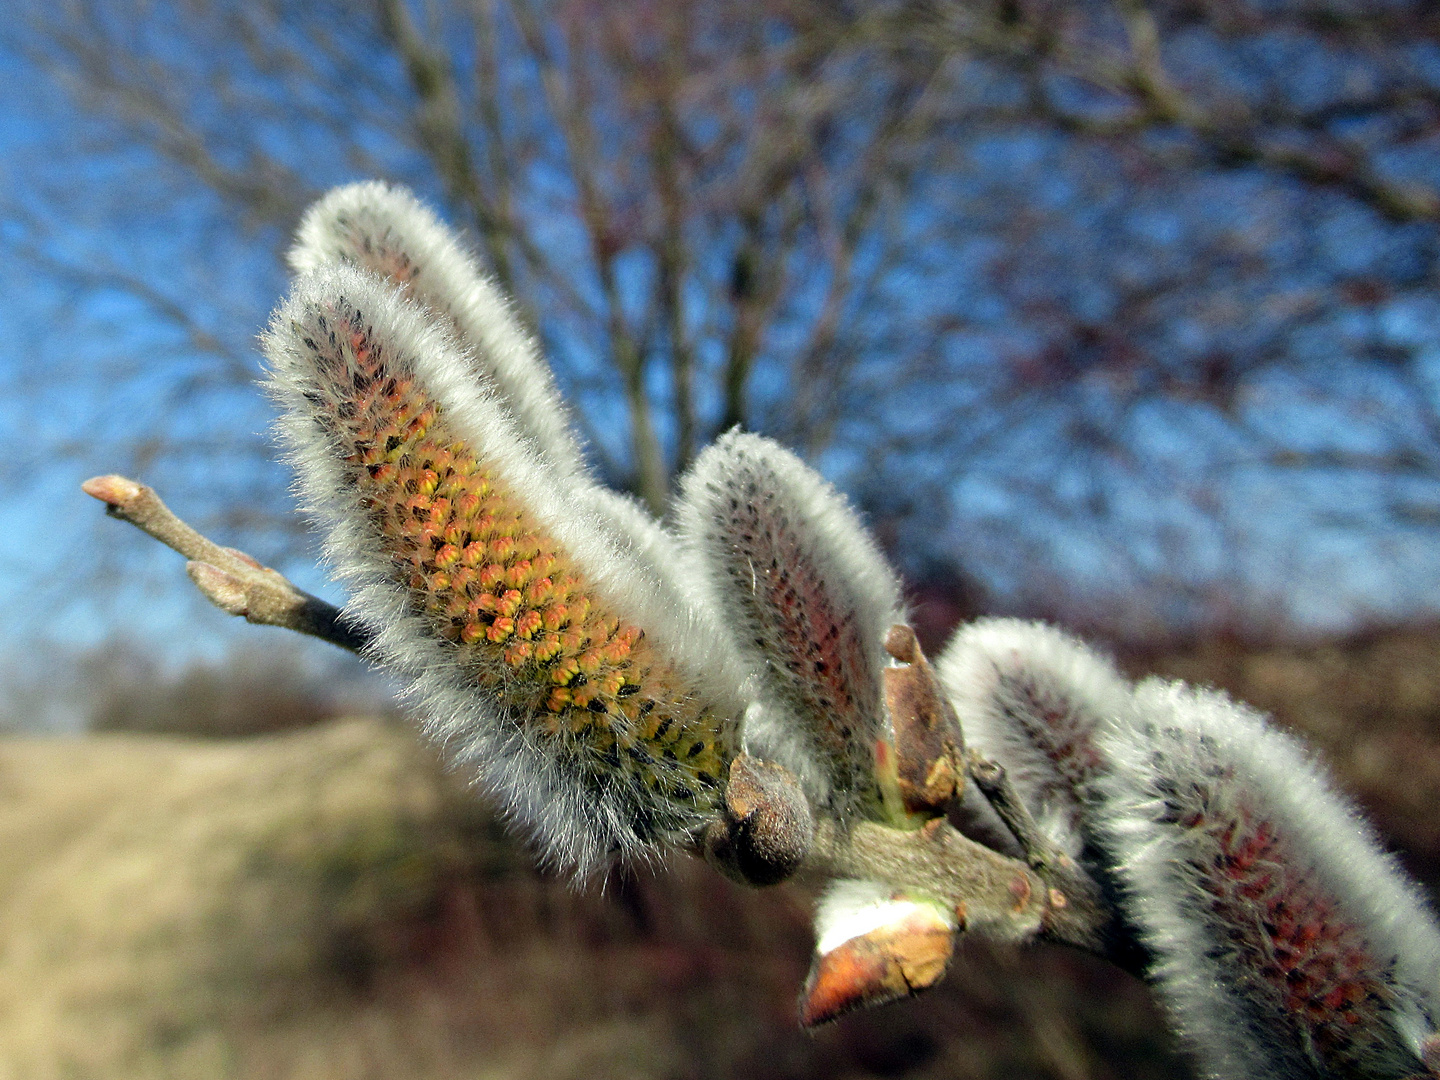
{"points": [[995, 785], [231, 580], [989, 892], [1078, 913]]}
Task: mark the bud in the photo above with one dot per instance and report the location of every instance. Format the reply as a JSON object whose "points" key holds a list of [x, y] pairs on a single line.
{"points": [[807, 598], [1286, 943], [874, 945], [1034, 700], [767, 829], [112, 490]]}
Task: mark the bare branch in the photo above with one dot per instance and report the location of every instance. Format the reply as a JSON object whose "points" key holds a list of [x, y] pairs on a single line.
{"points": [[231, 580]]}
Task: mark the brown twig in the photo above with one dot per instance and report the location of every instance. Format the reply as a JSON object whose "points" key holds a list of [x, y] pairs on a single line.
{"points": [[1078, 913], [231, 580], [990, 777], [990, 893]]}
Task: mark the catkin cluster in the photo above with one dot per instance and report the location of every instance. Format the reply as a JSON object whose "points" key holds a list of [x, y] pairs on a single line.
{"points": [[621, 685]]}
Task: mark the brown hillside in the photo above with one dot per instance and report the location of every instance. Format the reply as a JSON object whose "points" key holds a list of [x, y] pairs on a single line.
{"points": [[328, 904]]}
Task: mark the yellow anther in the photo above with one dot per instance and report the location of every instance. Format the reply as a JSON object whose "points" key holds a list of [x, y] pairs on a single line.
{"points": [[540, 591], [547, 647]]}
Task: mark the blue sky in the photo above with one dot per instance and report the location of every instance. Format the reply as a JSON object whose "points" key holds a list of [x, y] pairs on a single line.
{"points": [[83, 388]]}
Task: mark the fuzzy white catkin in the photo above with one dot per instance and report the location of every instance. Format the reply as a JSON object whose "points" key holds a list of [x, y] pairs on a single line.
{"points": [[807, 597], [578, 823], [1287, 944], [1034, 699], [385, 229]]}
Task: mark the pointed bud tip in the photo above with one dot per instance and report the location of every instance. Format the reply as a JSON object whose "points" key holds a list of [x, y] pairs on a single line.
{"points": [[112, 490], [893, 961]]}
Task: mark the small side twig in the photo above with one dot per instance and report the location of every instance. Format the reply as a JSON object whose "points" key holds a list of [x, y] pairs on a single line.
{"points": [[995, 785], [1078, 914], [231, 580]]}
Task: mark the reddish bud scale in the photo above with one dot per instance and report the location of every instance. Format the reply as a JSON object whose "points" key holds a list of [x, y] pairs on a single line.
{"points": [[487, 578]]}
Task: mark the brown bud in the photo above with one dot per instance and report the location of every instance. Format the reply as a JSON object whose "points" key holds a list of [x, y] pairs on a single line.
{"points": [[901, 643], [768, 828], [929, 747], [893, 961]]}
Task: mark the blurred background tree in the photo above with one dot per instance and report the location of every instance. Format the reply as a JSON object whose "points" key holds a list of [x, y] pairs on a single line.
{"points": [[1119, 312]]}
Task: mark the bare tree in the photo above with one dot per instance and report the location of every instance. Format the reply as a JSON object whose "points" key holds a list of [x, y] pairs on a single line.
{"points": [[972, 256]]}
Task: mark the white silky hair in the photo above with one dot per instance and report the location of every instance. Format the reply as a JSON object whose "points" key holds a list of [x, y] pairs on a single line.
{"points": [[996, 673], [359, 224], [853, 907], [831, 542], [1176, 736], [575, 827], [362, 224], [637, 528]]}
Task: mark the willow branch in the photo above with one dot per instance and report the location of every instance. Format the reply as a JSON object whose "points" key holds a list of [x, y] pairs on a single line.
{"points": [[231, 580], [992, 894]]}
